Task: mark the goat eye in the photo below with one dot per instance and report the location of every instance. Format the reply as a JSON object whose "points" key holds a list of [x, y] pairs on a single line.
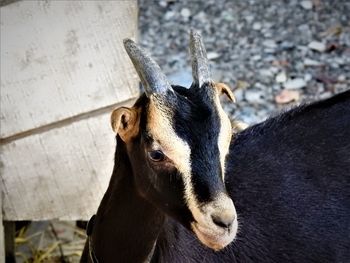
{"points": [[156, 156]]}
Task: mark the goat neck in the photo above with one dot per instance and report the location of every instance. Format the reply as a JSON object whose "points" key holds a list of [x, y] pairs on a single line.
{"points": [[126, 225]]}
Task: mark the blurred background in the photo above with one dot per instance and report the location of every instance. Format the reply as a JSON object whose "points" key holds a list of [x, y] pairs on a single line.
{"points": [[57, 155], [271, 52]]}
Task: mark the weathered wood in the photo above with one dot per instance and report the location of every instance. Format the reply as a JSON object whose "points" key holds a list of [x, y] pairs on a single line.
{"points": [[61, 173], [62, 58], [63, 70]]}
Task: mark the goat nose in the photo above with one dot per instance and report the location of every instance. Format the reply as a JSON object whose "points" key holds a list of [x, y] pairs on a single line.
{"points": [[224, 218]]}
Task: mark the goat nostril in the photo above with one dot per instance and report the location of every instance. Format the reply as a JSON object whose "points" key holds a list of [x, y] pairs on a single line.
{"points": [[224, 219]]}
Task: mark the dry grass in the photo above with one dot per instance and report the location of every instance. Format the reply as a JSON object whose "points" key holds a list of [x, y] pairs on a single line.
{"points": [[48, 244]]}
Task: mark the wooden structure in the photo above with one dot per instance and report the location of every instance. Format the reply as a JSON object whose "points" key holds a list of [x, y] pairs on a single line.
{"points": [[63, 70]]}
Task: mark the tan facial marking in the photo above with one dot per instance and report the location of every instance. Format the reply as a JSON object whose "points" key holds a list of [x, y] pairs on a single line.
{"points": [[160, 126], [225, 133]]}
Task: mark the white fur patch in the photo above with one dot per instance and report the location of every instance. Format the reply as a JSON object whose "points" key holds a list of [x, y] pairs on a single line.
{"points": [[225, 134]]}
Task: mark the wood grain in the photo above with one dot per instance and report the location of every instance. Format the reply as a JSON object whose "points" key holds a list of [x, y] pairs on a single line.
{"points": [[62, 173], [62, 58], [63, 69]]}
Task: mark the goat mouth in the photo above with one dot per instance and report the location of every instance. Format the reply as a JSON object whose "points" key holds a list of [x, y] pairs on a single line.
{"points": [[216, 239]]}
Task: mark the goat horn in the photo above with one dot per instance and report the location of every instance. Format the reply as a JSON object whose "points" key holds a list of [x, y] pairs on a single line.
{"points": [[151, 76], [200, 67]]}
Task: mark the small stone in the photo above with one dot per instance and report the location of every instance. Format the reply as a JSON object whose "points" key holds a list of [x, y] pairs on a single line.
{"points": [[334, 65], [249, 18], [307, 5], [238, 95], [281, 77], [312, 63], [340, 61], [248, 115], [185, 12], [259, 86], [256, 57], [317, 46], [269, 43], [295, 84], [340, 87], [266, 73], [217, 75], [307, 77], [341, 78], [169, 15], [254, 96], [286, 45], [269, 50], [274, 70], [182, 78], [201, 16], [163, 3], [227, 15], [325, 95], [241, 84], [257, 26], [213, 55], [287, 96]]}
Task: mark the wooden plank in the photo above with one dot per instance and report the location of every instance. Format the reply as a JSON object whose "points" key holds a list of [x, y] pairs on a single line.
{"points": [[61, 173], [63, 58]]}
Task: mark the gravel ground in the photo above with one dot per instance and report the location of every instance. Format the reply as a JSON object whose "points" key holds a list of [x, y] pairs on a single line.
{"points": [[273, 53]]}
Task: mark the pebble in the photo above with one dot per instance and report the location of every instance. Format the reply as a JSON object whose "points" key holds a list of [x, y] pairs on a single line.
{"points": [[257, 26], [182, 78], [281, 77], [307, 77], [169, 15], [341, 78], [317, 46], [163, 3], [249, 18], [269, 43], [217, 75], [325, 95], [185, 12], [297, 83], [213, 55], [286, 45], [238, 95], [287, 96], [254, 96], [307, 5], [248, 115], [256, 57], [312, 63], [266, 72], [201, 16]]}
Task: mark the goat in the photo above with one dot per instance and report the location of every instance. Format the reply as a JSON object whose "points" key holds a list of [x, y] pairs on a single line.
{"points": [[178, 167]]}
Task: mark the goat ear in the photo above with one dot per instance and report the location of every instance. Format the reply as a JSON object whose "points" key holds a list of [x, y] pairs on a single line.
{"points": [[224, 89], [125, 122]]}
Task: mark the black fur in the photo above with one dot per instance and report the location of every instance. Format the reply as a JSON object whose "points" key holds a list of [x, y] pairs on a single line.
{"points": [[197, 122], [289, 178]]}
